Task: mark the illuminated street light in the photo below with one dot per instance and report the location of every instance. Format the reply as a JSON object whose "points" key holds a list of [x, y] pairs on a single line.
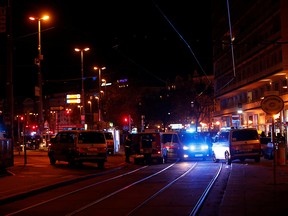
{"points": [[91, 113], [80, 108], [82, 84], [38, 63], [90, 103], [99, 82]]}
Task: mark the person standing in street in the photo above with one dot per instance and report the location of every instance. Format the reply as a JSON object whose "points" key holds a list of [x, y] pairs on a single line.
{"points": [[128, 143]]}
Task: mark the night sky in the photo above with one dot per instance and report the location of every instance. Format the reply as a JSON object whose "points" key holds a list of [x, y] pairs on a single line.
{"points": [[148, 41]]}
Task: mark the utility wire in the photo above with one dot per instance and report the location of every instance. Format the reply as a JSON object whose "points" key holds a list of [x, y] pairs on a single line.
{"points": [[232, 47], [136, 64], [189, 47]]}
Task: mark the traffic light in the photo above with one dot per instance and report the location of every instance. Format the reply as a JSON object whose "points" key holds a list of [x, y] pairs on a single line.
{"points": [[34, 127], [125, 120], [68, 111]]}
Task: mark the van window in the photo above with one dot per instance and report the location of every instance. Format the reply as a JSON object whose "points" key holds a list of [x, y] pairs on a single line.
{"points": [[108, 135], [147, 140], [242, 135], [169, 138], [91, 137], [223, 137], [66, 138]]}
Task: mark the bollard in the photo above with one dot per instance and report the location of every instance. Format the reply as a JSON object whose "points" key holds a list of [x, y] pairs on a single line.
{"points": [[281, 154]]}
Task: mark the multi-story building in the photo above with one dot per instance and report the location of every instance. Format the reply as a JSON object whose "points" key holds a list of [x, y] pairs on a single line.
{"points": [[250, 60]]}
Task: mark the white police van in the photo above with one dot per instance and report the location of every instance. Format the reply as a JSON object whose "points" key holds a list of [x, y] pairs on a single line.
{"points": [[235, 144]]}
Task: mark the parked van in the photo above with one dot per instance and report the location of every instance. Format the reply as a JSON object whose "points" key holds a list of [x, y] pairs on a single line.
{"points": [[235, 144], [172, 142], [110, 142], [78, 146], [160, 146], [147, 146]]}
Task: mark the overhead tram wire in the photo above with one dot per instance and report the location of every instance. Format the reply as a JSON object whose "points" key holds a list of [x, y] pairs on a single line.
{"points": [[182, 38], [232, 47], [115, 47], [72, 79]]}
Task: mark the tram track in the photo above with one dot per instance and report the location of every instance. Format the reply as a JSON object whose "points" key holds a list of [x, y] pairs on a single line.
{"points": [[129, 192]]}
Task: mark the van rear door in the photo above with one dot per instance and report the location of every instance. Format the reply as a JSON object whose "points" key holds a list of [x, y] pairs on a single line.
{"points": [[245, 142], [92, 143]]}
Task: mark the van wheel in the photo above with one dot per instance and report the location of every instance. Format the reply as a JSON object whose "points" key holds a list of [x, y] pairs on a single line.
{"points": [[148, 159], [161, 160], [227, 159], [71, 162], [136, 161], [215, 160], [52, 160], [257, 159], [100, 164]]}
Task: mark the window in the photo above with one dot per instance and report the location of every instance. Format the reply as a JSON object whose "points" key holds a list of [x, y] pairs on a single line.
{"points": [[223, 137], [91, 137], [65, 138], [242, 135]]}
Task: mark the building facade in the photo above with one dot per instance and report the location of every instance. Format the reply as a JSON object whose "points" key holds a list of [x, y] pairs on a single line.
{"points": [[250, 61]]}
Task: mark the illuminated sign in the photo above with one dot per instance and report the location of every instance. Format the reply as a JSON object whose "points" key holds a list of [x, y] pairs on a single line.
{"points": [[73, 101], [122, 80], [73, 96], [106, 84], [176, 126]]}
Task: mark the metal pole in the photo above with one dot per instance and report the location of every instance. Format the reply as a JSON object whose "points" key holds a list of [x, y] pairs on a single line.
{"points": [[99, 101], [40, 105], [275, 150], [82, 90]]}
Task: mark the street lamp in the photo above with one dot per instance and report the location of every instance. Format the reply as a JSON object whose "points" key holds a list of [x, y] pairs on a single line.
{"points": [[38, 91], [91, 114], [82, 84], [80, 108], [90, 103], [99, 100]]}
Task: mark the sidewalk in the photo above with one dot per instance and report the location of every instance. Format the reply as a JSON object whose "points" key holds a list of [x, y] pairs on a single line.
{"points": [[256, 190], [38, 174]]}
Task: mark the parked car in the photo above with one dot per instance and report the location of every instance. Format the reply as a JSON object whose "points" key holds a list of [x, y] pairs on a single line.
{"points": [[194, 146]]}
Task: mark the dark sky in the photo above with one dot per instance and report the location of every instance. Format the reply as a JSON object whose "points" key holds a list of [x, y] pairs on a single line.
{"points": [[149, 41]]}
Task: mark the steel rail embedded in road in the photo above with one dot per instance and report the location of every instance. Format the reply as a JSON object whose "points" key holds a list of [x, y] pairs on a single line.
{"points": [[129, 192]]}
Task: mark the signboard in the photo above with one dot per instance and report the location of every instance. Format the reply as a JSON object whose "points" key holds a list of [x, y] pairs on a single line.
{"points": [[272, 104], [73, 98], [59, 108], [73, 101]]}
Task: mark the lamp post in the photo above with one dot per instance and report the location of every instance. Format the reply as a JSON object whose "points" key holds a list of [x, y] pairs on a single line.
{"points": [[82, 84], [90, 114], [80, 109], [38, 60], [90, 104], [99, 82]]}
